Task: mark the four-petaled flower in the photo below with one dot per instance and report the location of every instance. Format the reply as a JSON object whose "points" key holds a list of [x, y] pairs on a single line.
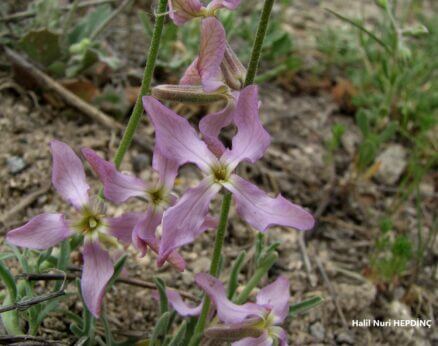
{"points": [[100, 232], [177, 140]]}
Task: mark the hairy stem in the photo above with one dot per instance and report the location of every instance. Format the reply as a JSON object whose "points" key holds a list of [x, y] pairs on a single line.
{"points": [[137, 112], [258, 42]]}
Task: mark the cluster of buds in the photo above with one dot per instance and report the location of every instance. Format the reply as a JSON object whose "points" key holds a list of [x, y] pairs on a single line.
{"points": [[169, 221]]}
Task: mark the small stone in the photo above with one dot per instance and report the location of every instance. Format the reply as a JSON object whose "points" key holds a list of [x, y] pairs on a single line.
{"points": [[317, 330], [16, 164], [344, 337], [140, 162], [392, 164]]}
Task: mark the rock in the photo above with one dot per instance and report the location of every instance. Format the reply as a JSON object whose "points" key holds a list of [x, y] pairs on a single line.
{"points": [[392, 164], [344, 337], [317, 330], [16, 164], [140, 162]]}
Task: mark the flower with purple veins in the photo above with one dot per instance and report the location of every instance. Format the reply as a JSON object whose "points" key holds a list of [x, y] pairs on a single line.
{"points": [[250, 324], [100, 233], [181, 11], [176, 139], [119, 187]]}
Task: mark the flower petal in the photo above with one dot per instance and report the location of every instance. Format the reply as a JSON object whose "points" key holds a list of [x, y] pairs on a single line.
{"points": [[176, 301], [68, 175], [276, 295], [175, 137], [174, 259], [212, 124], [191, 75], [98, 270], [211, 54], [41, 232], [282, 337], [166, 169], [122, 226], [263, 340], [181, 11], [230, 4], [262, 211], [183, 222], [118, 187], [227, 311], [147, 225], [251, 140]]}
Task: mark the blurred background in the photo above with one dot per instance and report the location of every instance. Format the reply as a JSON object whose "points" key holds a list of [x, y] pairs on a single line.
{"points": [[349, 94]]}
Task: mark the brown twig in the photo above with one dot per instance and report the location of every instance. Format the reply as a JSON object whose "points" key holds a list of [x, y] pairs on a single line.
{"points": [[306, 261], [28, 14], [70, 98], [26, 201], [27, 340]]}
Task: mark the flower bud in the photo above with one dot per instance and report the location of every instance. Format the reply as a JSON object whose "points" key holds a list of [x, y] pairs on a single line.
{"points": [[416, 30], [231, 333], [187, 94], [232, 69]]}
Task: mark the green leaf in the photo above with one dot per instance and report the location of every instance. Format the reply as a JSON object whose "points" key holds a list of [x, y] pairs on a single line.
{"points": [[117, 270], [234, 275], [160, 329], [41, 46], [10, 318], [388, 132], [164, 304], [178, 338], [305, 305]]}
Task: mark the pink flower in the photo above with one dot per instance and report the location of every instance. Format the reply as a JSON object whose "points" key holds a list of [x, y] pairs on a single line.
{"points": [[99, 232], [119, 187], [261, 319], [182, 11], [176, 139]]}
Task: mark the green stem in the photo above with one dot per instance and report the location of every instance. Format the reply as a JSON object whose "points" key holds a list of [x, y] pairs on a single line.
{"points": [[215, 263], [137, 112], [258, 42]]}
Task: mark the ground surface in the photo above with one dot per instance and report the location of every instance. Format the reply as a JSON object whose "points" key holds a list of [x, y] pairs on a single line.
{"points": [[339, 248]]}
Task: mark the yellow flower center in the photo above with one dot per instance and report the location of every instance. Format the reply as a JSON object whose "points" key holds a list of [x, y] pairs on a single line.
{"points": [[220, 173]]}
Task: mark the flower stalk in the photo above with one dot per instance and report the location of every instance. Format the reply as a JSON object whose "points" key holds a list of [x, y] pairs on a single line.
{"points": [[137, 112]]}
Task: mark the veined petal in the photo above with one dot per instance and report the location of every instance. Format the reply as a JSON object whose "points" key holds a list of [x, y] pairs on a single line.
{"points": [[147, 225], [166, 169], [227, 311], [68, 175], [41, 232], [181, 11], [262, 211], [176, 301], [212, 124], [282, 337], [263, 340], [183, 222], [174, 259], [230, 4], [117, 187], [211, 54], [251, 140], [176, 139], [122, 226], [191, 75], [98, 270], [139, 243], [276, 295]]}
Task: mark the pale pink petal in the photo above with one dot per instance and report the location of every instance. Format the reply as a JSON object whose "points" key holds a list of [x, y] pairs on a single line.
{"points": [[262, 211], [117, 187], [181, 11], [166, 169], [211, 54], [122, 226], [176, 139], [230, 4], [276, 296], [251, 140], [191, 75], [282, 337], [148, 224], [139, 243], [212, 124], [174, 259], [41, 232], [262, 340], [183, 222], [68, 175], [98, 270], [176, 301], [227, 311]]}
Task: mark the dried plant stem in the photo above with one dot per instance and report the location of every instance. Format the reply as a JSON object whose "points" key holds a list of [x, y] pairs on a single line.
{"points": [[137, 112]]}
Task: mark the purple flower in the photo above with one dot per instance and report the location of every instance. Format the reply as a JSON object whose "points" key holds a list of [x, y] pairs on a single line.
{"points": [[261, 319], [100, 232], [176, 139], [182, 11], [119, 187]]}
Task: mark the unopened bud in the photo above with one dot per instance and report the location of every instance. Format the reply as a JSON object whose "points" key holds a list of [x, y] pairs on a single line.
{"points": [[232, 69], [187, 94], [416, 30], [232, 333]]}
